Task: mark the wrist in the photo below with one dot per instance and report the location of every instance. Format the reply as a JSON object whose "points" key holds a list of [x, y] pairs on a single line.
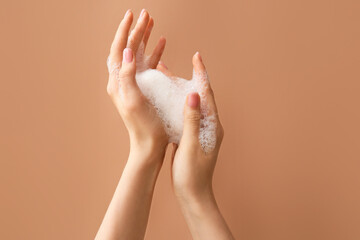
{"points": [[144, 165], [147, 153], [148, 144]]}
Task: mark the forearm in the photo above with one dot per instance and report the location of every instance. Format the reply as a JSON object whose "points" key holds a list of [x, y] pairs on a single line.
{"points": [[204, 218], [128, 212]]}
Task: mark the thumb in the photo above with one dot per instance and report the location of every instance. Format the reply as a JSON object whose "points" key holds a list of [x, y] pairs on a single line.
{"points": [[128, 69], [192, 117]]}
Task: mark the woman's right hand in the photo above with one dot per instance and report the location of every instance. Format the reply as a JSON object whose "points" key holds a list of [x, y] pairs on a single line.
{"points": [[193, 168]]}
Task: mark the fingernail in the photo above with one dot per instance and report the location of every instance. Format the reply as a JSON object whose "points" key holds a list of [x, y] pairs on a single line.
{"points": [[127, 13], [142, 14], [199, 56], [127, 55], [193, 100], [163, 64]]}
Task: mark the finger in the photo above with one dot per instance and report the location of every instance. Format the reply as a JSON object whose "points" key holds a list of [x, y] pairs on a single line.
{"points": [[137, 33], [148, 31], [127, 73], [157, 53], [192, 116], [199, 67], [120, 39], [164, 69], [206, 91]]}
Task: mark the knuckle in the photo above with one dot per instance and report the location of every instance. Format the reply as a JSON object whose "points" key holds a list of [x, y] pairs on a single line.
{"points": [[123, 75], [194, 117], [110, 89], [126, 72], [210, 91], [131, 40]]}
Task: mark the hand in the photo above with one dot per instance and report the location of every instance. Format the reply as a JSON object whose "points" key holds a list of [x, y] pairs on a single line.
{"points": [[126, 58], [193, 168], [128, 212]]}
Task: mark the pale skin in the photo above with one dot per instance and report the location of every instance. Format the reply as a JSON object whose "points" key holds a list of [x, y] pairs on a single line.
{"points": [[191, 170]]}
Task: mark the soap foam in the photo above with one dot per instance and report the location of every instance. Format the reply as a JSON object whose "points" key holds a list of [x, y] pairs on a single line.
{"points": [[168, 96]]}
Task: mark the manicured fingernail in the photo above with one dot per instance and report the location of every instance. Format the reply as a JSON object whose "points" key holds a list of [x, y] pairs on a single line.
{"points": [[127, 55], [163, 64], [193, 100], [127, 13]]}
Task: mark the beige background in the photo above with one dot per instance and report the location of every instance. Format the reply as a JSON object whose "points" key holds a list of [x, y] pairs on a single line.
{"points": [[286, 76]]}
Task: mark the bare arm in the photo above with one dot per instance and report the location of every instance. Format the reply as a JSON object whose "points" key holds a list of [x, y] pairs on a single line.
{"points": [[204, 217], [128, 212]]}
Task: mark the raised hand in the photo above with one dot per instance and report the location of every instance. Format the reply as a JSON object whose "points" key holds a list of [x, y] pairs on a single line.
{"points": [[128, 212], [127, 56], [193, 168]]}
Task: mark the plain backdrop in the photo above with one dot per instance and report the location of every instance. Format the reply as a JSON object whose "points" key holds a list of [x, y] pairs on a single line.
{"points": [[286, 78]]}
